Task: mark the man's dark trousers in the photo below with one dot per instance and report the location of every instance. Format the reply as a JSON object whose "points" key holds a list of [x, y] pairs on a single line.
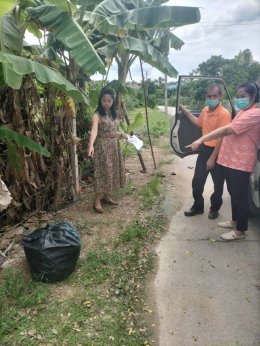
{"points": [[200, 177]]}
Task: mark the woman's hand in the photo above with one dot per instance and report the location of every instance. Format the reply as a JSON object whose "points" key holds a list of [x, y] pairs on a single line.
{"points": [[91, 151], [210, 164], [122, 135], [195, 145]]}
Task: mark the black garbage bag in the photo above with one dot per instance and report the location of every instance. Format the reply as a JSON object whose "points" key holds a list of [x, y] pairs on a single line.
{"points": [[52, 252]]}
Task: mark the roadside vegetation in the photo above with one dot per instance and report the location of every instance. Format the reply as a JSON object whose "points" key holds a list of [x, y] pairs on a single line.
{"points": [[159, 124], [104, 301]]}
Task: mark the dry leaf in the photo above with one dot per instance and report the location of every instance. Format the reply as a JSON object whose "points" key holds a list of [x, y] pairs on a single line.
{"points": [[31, 332], [150, 311]]}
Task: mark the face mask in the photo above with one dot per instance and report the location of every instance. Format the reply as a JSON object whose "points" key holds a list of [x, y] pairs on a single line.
{"points": [[242, 103], [212, 103]]}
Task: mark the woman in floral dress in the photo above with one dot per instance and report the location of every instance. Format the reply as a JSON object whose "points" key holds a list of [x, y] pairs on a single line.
{"points": [[109, 171]]}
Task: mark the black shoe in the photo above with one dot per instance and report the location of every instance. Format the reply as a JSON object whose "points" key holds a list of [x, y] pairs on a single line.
{"points": [[213, 214], [193, 212]]}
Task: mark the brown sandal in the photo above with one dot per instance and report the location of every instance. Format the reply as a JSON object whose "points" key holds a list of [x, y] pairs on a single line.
{"points": [[98, 210], [105, 201]]}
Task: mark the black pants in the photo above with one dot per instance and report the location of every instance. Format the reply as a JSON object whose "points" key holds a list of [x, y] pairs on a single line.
{"points": [[200, 177], [237, 185]]}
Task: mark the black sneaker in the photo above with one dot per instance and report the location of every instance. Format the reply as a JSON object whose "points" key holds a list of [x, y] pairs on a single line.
{"points": [[213, 214], [193, 212]]}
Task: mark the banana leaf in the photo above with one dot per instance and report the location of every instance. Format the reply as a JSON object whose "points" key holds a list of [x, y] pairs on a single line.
{"points": [[18, 67], [6, 6], [10, 35], [21, 140], [144, 50], [111, 17], [65, 29]]}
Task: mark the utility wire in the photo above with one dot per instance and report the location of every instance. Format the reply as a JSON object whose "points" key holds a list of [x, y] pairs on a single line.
{"points": [[198, 25], [231, 20]]}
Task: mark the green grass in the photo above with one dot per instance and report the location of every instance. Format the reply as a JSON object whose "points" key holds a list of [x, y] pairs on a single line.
{"points": [[18, 289], [103, 306], [149, 191], [165, 162], [134, 231], [100, 303], [159, 124]]}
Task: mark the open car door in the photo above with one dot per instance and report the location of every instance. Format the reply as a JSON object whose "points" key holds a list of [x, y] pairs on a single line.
{"points": [[191, 92]]}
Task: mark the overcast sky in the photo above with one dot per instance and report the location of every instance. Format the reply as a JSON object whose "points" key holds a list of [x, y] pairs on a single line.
{"points": [[226, 27]]}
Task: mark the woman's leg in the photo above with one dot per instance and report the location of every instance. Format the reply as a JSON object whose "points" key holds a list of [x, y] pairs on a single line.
{"points": [[107, 199], [97, 202], [229, 188], [238, 184]]}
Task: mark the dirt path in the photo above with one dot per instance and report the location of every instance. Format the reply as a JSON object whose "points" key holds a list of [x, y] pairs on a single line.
{"points": [[93, 226], [205, 292]]}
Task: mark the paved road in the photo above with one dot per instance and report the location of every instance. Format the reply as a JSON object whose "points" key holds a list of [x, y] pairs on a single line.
{"points": [[206, 290], [171, 110]]}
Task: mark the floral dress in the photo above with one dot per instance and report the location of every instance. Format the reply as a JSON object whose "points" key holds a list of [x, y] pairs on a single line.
{"points": [[109, 170]]}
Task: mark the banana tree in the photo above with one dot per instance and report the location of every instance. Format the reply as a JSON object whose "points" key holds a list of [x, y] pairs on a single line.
{"points": [[132, 29], [139, 28], [127, 30], [29, 107]]}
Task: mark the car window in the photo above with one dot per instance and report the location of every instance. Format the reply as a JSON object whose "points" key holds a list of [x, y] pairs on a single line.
{"points": [[192, 92]]}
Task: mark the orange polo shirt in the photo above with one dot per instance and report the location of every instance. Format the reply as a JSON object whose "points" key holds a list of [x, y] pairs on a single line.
{"points": [[210, 121]]}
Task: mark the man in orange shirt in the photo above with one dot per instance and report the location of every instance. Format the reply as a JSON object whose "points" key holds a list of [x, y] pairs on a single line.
{"points": [[211, 117]]}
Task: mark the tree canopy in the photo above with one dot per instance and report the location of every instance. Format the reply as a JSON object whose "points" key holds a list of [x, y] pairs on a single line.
{"points": [[241, 68]]}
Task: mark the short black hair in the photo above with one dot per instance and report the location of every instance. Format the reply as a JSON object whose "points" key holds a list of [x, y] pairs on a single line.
{"points": [[217, 86], [252, 89], [100, 109]]}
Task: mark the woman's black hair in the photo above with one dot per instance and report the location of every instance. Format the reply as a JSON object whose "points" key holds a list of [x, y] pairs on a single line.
{"points": [[100, 109], [252, 89]]}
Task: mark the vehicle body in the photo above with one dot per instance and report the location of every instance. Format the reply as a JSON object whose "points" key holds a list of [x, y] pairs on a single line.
{"points": [[183, 132]]}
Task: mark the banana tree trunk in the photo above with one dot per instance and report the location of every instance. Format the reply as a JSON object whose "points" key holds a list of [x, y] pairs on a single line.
{"points": [[165, 96], [123, 68], [74, 161]]}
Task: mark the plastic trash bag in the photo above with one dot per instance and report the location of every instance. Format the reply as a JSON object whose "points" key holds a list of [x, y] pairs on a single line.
{"points": [[52, 252]]}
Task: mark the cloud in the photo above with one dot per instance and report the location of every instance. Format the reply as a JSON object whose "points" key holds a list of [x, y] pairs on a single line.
{"points": [[226, 27]]}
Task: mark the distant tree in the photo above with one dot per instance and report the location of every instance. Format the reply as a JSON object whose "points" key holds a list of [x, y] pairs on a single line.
{"points": [[211, 67], [234, 71]]}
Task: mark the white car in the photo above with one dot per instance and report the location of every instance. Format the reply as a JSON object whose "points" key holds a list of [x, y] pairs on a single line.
{"points": [[183, 132]]}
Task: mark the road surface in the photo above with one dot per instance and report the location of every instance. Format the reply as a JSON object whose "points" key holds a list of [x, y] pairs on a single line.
{"points": [[171, 110], [206, 290]]}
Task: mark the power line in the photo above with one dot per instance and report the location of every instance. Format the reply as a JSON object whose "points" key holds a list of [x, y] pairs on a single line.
{"points": [[231, 20], [222, 25], [229, 23]]}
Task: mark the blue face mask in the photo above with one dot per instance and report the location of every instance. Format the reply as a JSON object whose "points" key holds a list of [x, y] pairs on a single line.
{"points": [[212, 103], [242, 103]]}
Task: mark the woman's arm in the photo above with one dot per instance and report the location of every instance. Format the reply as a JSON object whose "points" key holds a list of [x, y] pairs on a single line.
{"points": [[93, 135], [218, 133]]}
